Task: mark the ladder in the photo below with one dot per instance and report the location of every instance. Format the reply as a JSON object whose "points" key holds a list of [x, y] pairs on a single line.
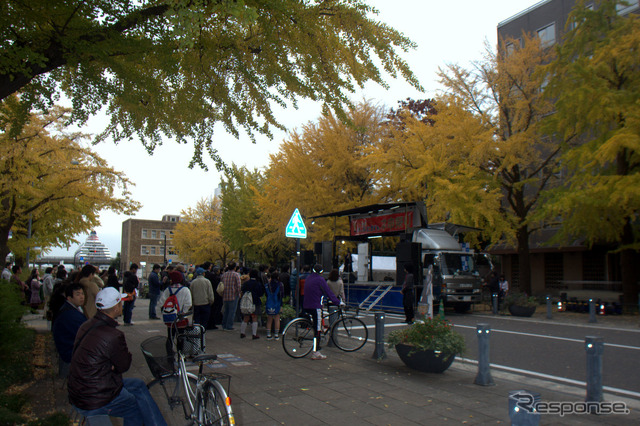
{"points": [[374, 297]]}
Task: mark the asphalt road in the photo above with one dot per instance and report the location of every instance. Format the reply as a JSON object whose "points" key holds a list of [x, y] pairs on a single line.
{"points": [[556, 350]]}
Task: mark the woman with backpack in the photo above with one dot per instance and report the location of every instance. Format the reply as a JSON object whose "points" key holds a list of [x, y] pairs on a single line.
{"points": [[275, 290], [254, 287]]}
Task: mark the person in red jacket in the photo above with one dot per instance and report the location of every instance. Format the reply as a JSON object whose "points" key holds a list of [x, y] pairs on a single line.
{"points": [[100, 356]]}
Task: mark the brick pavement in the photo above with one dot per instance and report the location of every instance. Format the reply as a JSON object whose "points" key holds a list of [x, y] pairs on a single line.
{"points": [[268, 387]]}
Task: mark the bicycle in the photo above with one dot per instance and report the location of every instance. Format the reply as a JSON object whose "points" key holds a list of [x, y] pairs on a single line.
{"points": [[202, 397], [347, 333]]}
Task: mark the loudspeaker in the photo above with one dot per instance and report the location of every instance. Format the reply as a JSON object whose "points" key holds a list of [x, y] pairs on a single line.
{"points": [[408, 252], [307, 257]]}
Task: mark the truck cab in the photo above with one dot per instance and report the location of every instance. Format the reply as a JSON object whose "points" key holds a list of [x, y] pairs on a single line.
{"points": [[455, 272]]}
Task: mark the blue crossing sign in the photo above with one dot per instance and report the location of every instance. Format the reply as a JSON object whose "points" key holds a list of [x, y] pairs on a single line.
{"points": [[295, 227]]}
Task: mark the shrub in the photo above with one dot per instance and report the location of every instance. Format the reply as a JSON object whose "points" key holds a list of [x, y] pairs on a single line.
{"points": [[433, 334]]}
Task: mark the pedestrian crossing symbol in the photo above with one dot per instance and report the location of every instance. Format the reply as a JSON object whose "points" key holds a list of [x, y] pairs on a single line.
{"points": [[295, 227]]}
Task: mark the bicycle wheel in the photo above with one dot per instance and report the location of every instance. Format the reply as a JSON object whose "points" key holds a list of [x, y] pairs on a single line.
{"points": [[297, 338], [349, 334], [170, 389], [214, 407]]}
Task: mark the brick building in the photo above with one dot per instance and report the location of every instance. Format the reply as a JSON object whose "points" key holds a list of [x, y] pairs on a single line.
{"points": [[146, 242]]}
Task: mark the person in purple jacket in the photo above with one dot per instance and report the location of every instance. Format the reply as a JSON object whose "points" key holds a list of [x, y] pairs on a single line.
{"points": [[314, 289]]}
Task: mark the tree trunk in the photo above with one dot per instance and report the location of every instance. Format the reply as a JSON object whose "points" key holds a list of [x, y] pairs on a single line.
{"points": [[629, 261], [524, 260]]}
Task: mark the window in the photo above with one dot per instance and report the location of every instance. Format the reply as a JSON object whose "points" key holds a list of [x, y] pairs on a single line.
{"points": [[624, 9], [144, 233], [547, 35], [153, 251], [154, 234], [162, 234], [143, 250]]}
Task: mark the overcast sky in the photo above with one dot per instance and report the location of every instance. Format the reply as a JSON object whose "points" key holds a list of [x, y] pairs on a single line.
{"points": [[446, 32]]}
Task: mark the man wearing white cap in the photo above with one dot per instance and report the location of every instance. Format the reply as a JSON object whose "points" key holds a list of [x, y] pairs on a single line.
{"points": [[100, 356]]}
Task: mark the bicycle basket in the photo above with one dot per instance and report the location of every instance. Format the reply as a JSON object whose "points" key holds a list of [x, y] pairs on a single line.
{"points": [[190, 340], [158, 353]]}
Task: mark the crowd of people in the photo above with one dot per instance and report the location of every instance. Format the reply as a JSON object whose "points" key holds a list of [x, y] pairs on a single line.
{"points": [[83, 306]]}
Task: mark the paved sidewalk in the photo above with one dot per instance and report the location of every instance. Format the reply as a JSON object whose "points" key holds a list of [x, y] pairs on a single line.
{"points": [[268, 387]]}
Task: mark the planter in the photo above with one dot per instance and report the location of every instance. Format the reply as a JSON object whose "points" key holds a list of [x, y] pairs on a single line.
{"points": [[424, 360], [521, 311]]}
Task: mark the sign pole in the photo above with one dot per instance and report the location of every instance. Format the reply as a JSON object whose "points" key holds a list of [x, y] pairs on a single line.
{"points": [[298, 307]]}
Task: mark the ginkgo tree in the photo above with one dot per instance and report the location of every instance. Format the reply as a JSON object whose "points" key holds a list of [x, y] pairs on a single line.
{"points": [[239, 211], [173, 69], [477, 154], [49, 178], [435, 151], [319, 169], [197, 237], [596, 84]]}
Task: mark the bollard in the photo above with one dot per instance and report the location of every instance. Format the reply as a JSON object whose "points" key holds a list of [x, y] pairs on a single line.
{"points": [[379, 352], [494, 300], [522, 408], [484, 370], [592, 311], [549, 316], [594, 347]]}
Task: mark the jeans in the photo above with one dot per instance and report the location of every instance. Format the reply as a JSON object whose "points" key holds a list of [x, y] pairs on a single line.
{"points": [[201, 314], [134, 403], [153, 301], [229, 313], [127, 311]]}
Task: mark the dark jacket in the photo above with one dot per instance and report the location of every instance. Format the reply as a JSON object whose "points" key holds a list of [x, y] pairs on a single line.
{"points": [[257, 290], [100, 357], [155, 286], [112, 281], [65, 328], [130, 282]]}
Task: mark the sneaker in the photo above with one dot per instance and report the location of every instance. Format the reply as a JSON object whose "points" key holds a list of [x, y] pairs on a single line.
{"points": [[317, 355], [242, 336], [269, 337], [277, 337], [256, 337], [128, 323]]}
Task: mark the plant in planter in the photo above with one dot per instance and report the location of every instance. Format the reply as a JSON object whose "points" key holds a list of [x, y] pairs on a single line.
{"points": [[520, 304], [429, 346]]}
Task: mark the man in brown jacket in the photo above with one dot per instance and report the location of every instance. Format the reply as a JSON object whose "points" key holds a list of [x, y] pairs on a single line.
{"points": [[100, 356]]}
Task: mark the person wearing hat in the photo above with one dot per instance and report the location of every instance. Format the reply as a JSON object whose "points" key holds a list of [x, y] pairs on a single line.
{"points": [[100, 357], [202, 297], [182, 293], [315, 288]]}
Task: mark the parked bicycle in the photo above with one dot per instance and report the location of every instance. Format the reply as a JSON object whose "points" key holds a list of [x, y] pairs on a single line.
{"points": [[347, 333], [193, 399]]}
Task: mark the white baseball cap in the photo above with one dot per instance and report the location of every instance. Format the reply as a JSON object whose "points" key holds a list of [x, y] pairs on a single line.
{"points": [[108, 298]]}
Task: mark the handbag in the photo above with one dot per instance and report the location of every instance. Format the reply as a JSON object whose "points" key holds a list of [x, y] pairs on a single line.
{"points": [[220, 288]]}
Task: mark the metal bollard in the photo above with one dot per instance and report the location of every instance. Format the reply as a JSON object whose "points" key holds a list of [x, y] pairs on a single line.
{"points": [[522, 408], [594, 347], [549, 316], [379, 352], [484, 370], [494, 300], [592, 311]]}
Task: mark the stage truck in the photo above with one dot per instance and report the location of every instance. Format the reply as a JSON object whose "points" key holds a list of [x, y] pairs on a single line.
{"points": [[373, 281]]}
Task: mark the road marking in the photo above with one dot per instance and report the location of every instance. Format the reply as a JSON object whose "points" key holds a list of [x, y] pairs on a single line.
{"points": [[553, 322], [615, 345], [554, 378]]}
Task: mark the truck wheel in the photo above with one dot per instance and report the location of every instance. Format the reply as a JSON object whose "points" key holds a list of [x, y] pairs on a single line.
{"points": [[462, 308]]}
